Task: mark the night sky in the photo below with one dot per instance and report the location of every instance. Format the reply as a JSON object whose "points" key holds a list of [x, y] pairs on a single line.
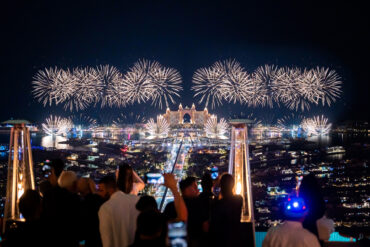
{"points": [[186, 36]]}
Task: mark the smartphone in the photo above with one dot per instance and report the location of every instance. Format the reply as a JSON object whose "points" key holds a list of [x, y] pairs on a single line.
{"points": [[46, 170], [214, 173], [177, 234], [154, 178]]}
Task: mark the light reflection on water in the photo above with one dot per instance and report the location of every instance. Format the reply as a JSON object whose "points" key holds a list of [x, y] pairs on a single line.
{"points": [[53, 142]]}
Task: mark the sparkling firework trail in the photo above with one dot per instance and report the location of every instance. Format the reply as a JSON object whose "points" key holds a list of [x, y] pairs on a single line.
{"points": [[108, 86], [316, 126], [55, 125], [214, 129], [130, 118], [292, 119], [83, 120], [159, 129]]}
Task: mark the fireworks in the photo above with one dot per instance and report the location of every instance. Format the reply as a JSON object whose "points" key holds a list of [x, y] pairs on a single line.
{"points": [[214, 129], [148, 80], [224, 81], [268, 85], [83, 120], [292, 119], [316, 126], [83, 87], [130, 118], [159, 129], [55, 125]]}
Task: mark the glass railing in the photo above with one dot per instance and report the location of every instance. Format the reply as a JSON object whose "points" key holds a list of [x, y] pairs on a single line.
{"points": [[334, 237]]}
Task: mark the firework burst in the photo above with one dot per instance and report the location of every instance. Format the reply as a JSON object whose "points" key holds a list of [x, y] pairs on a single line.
{"points": [[292, 119], [83, 120], [55, 125], [148, 80], [329, 85], [159, 129], [316, 126], [49, 86], [130, 118], [214, 129]]}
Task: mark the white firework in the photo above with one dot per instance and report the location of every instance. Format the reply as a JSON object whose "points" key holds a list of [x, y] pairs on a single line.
{"points": [[316, 126], [329, 85], [227, 81], [159, 129], [108, 81], [214, 129], [50, 86], [207, 84], [293, 119], [130, 118], [83, 120], [55, 125], [149, 80], [82, 89], [166, 84], [290, 87], [266, 77], [237, 84]]}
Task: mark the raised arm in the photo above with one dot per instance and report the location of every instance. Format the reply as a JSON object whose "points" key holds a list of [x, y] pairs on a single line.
{"points": [[139, 183], [180, 207]]}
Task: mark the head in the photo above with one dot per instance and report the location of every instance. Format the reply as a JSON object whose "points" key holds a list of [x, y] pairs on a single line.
{"points": [[107, 186], [83, 186], [57, 166], [295, 209], [30, 205], [227, 185], [310, 191], [68, 181], [149, 225], [207, 183], [146, 203], [189, 187], [125, 178]]}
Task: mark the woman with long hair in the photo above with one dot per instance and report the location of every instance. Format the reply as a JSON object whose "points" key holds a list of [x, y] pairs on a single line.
{"points": [[128, 181]]}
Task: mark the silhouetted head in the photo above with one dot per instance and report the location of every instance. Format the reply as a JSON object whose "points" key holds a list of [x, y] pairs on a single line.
{"points": [[146, 203], [189, 187], [310, 191], [30, 205], [68, 181], [125, 178], [227, 185], [57, 166], [107, 186], [207, 182], [150, 225]]}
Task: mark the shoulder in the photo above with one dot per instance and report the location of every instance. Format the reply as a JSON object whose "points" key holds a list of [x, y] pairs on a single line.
{"points": [[309, 238]]}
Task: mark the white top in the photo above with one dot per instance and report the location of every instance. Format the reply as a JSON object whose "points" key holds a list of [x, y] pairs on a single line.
{"points": [[325, 227], [117, 220], [290, 234], [135, 189]]}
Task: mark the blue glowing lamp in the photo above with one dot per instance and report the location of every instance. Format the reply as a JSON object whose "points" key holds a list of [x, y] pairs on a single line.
{"points": [[295, 207]]}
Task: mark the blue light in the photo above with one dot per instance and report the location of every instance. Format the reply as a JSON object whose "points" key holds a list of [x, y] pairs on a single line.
{"points": [[295, 204], [288, 207]]}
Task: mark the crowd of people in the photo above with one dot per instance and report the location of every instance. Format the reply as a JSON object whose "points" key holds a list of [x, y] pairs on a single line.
{"points": [[67, 210]]}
